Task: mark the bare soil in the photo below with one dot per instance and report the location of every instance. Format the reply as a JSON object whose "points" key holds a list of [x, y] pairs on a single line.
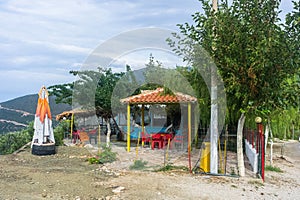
{"points": [[68, 175]]}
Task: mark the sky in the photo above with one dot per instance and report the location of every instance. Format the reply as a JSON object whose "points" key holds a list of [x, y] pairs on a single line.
{"points": [[41, 41]]}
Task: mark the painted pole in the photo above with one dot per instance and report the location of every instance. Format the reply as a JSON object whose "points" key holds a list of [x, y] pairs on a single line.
{"points": [[262, 137], [128, 128], [214, 113], [252, 142], [261, 147]]}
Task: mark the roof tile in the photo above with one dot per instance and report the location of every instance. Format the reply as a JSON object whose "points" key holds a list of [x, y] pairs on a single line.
{"points": [[156, 96]]}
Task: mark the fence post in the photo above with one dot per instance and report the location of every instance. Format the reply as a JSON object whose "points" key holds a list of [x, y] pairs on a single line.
{"points": [[261, 147], [262, 152], [252, 141]]}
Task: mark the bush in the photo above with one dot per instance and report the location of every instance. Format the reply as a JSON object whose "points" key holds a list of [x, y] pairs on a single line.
{"points": [[11, 142], [59, 135], [273, 169], [59, 132], [106, 156], [138, 165], [169, 167]]}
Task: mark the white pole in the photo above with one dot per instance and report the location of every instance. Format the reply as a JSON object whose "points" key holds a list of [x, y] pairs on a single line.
{"points": [[214, 114]]}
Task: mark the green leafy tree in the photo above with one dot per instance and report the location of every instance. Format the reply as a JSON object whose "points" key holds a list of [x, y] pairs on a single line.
{"points": [[250, 49], [62, 92], [99, 86]]}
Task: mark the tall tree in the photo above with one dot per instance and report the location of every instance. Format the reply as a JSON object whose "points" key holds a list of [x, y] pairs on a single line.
{"points": [[91, 84], [250, 49]]}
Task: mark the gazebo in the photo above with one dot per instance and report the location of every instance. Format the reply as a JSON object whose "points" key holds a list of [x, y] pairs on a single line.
{"points": [[158, 97], [70, 115]]}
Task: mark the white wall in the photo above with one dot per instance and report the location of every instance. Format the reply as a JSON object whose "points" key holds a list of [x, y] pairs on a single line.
{"points": [[252, 156]]}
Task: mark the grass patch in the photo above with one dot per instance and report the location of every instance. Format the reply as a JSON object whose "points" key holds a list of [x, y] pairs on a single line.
{"points": [[138, 165], [257, 183], [106, 156], [171, 167], [273, 169]]}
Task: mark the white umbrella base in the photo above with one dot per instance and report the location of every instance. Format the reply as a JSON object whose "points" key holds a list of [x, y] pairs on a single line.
{"points": [[43, 149]]}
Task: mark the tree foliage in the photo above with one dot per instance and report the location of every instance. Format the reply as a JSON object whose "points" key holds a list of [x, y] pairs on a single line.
{"points": [[250, 47]]}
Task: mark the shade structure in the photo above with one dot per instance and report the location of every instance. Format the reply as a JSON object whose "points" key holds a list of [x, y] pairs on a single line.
{"points": [[43, 142], [77, 112], [158, 97]]}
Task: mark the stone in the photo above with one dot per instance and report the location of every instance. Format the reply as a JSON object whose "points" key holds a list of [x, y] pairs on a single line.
{"points": [[118, 189]]}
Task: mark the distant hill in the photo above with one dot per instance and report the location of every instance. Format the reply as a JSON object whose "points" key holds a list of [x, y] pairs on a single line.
{"points": [[17, 113]]}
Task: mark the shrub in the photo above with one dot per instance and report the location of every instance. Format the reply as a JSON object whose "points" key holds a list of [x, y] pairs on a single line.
{"points": [[106, 156], [138, 165], [59, 135], [11, 142], [273, 169], [169, 167]]}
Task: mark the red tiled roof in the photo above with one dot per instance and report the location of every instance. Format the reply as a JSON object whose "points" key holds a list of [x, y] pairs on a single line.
{"points": [[156, 96], [82, 113]]}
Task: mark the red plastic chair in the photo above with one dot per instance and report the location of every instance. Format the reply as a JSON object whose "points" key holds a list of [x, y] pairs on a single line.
{"points": [[165, 139], [178, 139], [75, 136], [145, 137], [156, 139], [93, 135]]}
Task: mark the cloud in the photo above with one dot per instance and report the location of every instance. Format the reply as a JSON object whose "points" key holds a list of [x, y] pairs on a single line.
{"points": [[49, 38], [23, 82]]}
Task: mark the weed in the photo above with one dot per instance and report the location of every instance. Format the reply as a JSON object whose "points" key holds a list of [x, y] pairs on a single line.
{"points": [[273, 169], [232, 171], [257, 183], [138, 165], [106, 156], [171, 167]]}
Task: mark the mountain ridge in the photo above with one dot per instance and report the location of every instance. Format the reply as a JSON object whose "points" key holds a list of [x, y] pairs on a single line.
{"points": [[16, 114]]}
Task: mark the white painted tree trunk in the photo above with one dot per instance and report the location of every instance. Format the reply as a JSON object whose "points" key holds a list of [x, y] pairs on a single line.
{"points": [[271, 143], [214, 132], [240, 156], [107, 121]]}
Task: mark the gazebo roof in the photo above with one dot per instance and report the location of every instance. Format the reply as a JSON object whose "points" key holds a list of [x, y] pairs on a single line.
{"points": [[157, 97], [81, 113]]}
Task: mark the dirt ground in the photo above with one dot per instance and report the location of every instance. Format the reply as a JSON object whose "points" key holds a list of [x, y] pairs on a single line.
{"points": [[68, 175]]}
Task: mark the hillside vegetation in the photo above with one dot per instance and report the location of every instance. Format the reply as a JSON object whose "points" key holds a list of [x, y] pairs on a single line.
{"points": [[16, 114]]}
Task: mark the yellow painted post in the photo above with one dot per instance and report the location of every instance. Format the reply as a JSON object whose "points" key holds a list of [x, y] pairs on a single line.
{"points": [[128, 128], [189, 136], [143, 118]]}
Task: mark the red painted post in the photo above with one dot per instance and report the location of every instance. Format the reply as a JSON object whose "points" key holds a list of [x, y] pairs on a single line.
{"points": [[262, 152], [257, 140], [252, 139]]}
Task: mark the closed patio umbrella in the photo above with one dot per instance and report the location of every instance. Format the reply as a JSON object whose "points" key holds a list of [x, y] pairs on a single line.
{"points": [[43, 142]]}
